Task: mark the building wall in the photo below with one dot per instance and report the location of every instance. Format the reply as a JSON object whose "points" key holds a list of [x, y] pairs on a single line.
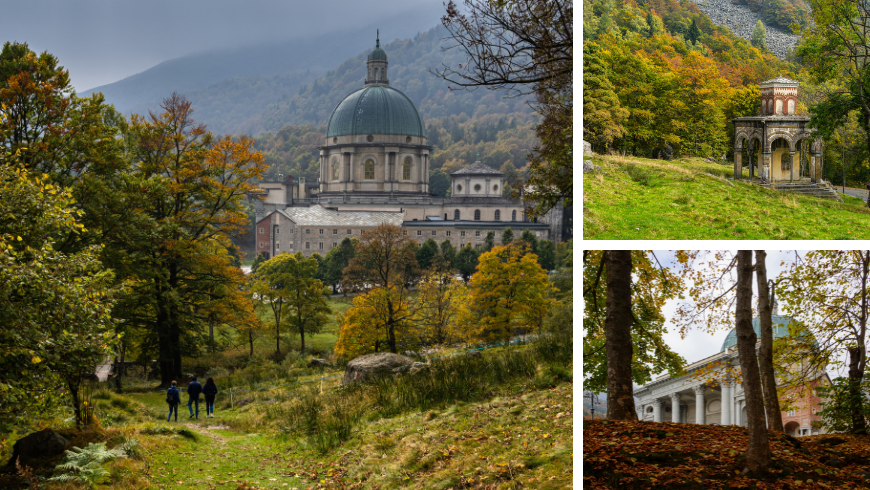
{"points": [[388, 168], [477, 186]]}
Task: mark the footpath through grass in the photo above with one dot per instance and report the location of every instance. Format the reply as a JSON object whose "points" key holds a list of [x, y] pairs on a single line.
{"points": [[637, 198]]}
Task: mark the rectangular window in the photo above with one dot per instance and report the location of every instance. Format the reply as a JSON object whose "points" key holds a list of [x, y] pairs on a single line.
{"points": [[262, 230], [335, 232], [448, 232], [404, 232], [433, 232], [277, 246], [419, 232], [321, 231], [476, 232], [307, 245], [462, 233], [348, 232], [334, 244], [276, 230], [307, 231], [321, 245], [791, 413]]}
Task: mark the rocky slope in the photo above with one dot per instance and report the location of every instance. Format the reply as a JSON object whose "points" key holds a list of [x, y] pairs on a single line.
{"points": [[741, 20]]}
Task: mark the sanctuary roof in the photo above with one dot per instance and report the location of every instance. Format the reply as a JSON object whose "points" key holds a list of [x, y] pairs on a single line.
{"points": [[320, 216], [477, 168]]}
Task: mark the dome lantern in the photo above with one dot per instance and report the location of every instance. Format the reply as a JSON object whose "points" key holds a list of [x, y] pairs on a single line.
{"points": [[376, 73]]}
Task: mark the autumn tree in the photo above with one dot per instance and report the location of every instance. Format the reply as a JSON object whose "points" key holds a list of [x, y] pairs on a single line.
{"points": [[377, 318], [603, 114], [828, 294], [385, 260], [191, 187], [507, 288], [646, 351], [437, 307], [758, 452]]}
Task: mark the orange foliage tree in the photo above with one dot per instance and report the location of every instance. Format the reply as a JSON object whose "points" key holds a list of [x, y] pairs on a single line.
{"points": [[188, 198]]}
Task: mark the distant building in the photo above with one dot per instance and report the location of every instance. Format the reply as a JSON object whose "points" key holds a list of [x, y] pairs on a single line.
{"points": [[687, 399], [374, 168]]}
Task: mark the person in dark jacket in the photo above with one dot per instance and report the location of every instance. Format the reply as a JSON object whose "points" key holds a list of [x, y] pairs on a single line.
{"points": [[193, 391], [209, 390], [173, 398]]}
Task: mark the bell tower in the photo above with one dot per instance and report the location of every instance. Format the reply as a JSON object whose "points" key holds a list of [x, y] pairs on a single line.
{"points": [[377, 65]]}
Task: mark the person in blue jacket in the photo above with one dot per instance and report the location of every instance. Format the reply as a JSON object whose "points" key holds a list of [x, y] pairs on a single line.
{"points": [[209, 390], [193, 391], [173, 398]]}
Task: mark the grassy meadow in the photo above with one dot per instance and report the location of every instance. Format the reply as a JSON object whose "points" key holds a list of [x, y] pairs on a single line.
{"points": [[637, 198]]}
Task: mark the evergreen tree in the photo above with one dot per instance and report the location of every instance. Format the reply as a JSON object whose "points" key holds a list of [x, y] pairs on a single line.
{"points": [[649, 22], [466, 262], [507, 236], [426, 253], [759, 36], [532, 240], [547, 255], [489, 241], [602, 114], [694, 33]]}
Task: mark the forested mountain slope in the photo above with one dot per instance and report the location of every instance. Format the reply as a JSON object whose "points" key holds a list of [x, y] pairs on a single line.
{"points": [[409, 63]]}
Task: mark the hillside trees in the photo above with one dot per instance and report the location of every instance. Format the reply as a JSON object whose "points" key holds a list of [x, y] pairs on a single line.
{"points": [[603, 114], [191, 191], [336, 260], [759, 36], [301, 294]]}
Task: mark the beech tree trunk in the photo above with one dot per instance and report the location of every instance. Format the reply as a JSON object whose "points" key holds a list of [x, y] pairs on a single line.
{"points": [[765, 352], [758, 452], [617, 334], [856, 397]]}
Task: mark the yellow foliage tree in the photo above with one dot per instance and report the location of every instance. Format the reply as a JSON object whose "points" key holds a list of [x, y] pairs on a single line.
{"points": [[365, 327], [508, 292], [439, 298]]}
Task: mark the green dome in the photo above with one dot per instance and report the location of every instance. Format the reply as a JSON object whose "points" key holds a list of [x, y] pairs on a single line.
{"points": [[376, 110], [378, 54], [780, 329]]}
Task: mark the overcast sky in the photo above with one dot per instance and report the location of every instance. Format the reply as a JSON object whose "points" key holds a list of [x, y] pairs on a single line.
{"points": [[103, 41]]}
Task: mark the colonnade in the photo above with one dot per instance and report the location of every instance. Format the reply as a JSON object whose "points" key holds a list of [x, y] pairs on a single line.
{"points": [[731, 408]]}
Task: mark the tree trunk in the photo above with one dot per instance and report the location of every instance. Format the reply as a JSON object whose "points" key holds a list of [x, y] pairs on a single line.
{"points": [[758, 452], [251, 340], [765, 352], [617, 332], [856, 398], [301, 336]]}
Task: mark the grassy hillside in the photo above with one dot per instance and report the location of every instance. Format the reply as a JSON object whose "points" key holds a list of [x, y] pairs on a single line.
{"points": [[636, 198], [500, 420]]}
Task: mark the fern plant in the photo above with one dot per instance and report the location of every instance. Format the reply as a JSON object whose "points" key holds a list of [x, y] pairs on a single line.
{"points": [[85, 465]]}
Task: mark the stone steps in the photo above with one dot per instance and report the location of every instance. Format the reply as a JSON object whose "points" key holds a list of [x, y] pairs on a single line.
{"points": [[821, 189]]}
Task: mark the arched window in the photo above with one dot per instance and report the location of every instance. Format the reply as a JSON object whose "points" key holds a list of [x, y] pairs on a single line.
{"points": [[476, 215], [456, 215], [406, 169], [498, 215], [336, 168], [370, 169], [514, 215]]}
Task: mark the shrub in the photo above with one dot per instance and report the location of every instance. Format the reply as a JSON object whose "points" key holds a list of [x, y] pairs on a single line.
{"points": [[84, 466]]}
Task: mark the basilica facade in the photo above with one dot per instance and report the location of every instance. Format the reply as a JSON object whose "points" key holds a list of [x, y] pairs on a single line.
{"points": [[374, 169], [697, 398]]}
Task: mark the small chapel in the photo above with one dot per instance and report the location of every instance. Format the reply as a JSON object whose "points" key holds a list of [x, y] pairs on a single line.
{"points": [[780, 145]]}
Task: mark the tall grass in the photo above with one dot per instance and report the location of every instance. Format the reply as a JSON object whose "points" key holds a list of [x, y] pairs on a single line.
{"points": [[328, 419]]}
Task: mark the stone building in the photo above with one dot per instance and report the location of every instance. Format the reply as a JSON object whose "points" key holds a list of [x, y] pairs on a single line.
{"points": [[374, 168], [693, 399], [786, 148]]}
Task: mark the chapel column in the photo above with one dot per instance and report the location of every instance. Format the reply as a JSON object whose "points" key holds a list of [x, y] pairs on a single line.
{"points": [[657, 410], [738, 163], [675, 407], [765, 166], [700, 411], [726, 403], [791, 165]]}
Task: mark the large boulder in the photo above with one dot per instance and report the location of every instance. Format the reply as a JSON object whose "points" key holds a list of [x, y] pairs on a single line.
{"points": [[365, 368], [43, 444], [587, 148]]}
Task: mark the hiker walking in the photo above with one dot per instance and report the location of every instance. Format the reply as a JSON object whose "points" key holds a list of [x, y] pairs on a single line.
{"points": [[209, 390], [173, 398], [193, 391]]}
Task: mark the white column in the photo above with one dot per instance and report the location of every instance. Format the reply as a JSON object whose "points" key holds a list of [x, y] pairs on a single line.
{"points": [[675, 407], [351, 179], [700, 411], [657, 410], [726, 403]]}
